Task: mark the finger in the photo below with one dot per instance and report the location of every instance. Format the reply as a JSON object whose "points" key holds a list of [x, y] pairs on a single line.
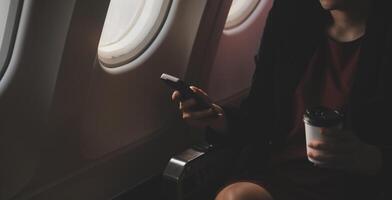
{"points": [[196, 89], [324, 157], [176, 96], [321, 146], [199, 115], [217, 109], [187, 105], [199, 92], [329, 146]]}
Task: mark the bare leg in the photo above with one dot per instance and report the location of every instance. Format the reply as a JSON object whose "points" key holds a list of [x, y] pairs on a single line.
{"points": [[244, 191]]}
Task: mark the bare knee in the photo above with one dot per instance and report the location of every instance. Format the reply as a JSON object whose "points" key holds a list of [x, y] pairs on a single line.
{"points": [[244, 191]]}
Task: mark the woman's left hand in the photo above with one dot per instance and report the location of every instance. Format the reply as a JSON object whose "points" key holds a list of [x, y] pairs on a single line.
{"points": [[344, 150]]}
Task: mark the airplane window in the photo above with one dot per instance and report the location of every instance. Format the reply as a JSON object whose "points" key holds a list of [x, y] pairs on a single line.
{"points": [[239, 11], [130, 26], [8, 13]]}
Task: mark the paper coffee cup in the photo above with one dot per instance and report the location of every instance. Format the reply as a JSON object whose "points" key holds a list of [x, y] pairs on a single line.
{"points": [[317, 121]]}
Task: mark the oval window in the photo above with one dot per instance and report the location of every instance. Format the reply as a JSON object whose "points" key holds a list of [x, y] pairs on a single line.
{"points": [[240, 11], [130, 26]]}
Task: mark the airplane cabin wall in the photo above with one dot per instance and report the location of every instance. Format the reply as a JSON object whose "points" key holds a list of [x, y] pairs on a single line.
{"points": [[112, 129], [231, 73], [71, 128], [26, 89]]}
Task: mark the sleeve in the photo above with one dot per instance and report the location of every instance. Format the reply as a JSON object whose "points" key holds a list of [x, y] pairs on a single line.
{"points": [[385, 175], [382, 141], [372, 120]]}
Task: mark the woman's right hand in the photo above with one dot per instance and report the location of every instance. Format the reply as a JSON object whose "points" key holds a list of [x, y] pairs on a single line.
{"points": [[213, 117]]}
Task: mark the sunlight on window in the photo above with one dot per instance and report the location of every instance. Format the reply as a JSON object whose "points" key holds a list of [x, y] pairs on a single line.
{"points": [[130, 26], [239, 12]]}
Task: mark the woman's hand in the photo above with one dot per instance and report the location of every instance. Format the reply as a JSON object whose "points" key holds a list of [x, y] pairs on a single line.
{"points": [[343, 150], [213, 117]]}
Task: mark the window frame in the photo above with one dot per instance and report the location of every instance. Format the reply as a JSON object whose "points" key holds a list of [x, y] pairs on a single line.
{"points": [[231, 24], [10, 30], [144, 45]]}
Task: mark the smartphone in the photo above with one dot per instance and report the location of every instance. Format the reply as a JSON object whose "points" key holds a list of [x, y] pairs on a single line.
{"points": [[186, 92]]}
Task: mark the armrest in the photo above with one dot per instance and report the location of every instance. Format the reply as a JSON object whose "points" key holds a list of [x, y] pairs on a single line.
{"points": [[199, 170]]}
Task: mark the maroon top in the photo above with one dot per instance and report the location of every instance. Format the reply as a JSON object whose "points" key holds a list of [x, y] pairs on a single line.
{"points": [[327, 82]]}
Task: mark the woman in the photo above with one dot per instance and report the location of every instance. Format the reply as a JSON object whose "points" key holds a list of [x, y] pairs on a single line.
{"points": [[334, 53]]}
